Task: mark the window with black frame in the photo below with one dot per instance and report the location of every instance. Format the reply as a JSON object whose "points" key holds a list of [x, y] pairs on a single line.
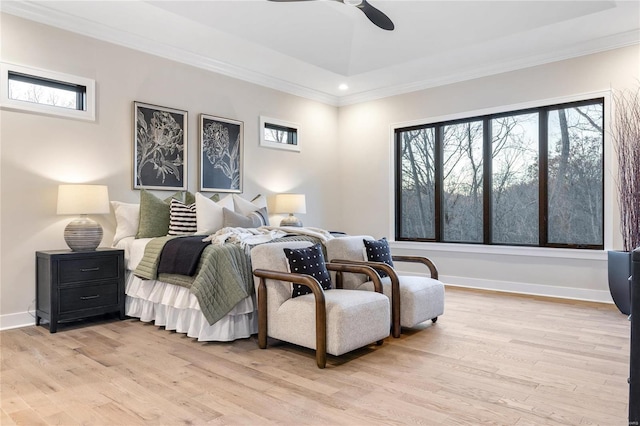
{"points": [[531, 177], [49, 92], [44, 91]]}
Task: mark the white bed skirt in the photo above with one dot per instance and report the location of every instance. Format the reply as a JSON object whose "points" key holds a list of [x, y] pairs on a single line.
{"points": [[176, 308]]}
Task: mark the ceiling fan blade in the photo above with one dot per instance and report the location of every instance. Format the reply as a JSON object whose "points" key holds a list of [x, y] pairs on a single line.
{"points": [[375, 16]]}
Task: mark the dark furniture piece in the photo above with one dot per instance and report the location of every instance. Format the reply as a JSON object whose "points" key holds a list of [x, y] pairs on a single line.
{"points": [[618, 272], [634, 371], [75, 285]]}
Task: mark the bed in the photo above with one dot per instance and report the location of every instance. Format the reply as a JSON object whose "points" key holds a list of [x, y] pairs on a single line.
{"points": [[177, 309], [158, 299]]}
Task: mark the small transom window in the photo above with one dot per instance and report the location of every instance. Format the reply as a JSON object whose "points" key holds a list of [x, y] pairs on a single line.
{"points": [[47, 92]]}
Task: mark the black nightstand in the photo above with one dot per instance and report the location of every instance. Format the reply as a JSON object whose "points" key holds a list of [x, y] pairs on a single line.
{"points": [[78, 284]]}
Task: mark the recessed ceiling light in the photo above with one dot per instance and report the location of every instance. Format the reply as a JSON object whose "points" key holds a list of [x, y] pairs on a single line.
{"points": [[343, 86]]}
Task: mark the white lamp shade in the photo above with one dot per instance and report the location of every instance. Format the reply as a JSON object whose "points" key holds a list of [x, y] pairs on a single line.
{"points": [[83, 199], [290, 203]]}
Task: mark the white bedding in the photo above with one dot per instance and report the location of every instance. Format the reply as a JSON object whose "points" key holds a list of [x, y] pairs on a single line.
{"points": [[175, 307]]}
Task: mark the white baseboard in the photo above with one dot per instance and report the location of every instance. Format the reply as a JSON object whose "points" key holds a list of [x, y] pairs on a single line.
{"points": [[21, 319], [574, 293]]}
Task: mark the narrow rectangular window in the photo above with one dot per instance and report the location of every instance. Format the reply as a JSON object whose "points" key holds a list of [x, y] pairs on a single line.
{"points": [[514, 190], [417, 182], [462, 165], [47, 92], [575, 176], [280, 134], [38, 90]]}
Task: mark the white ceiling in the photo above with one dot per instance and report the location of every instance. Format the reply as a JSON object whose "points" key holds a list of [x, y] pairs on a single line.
{"points": [[310, 47]]}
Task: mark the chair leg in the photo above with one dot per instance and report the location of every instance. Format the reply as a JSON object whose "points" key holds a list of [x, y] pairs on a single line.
{"points": [[321, 330], [395, 330], [395, 308], [262, 335], [321, 359], [379, 342], [262, 315], [434, 320]]}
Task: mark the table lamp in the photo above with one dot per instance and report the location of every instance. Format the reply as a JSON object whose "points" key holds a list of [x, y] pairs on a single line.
{"points": [[290, 203], [83, 233]]}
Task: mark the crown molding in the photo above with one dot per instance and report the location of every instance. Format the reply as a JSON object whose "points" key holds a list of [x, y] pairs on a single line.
{"points": [[44, 15]]}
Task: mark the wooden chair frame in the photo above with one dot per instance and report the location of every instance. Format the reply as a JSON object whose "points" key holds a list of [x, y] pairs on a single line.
{"points": [[318, 293]]}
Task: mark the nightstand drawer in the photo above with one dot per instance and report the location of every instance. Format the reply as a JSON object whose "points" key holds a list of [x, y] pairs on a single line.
{"points": [[87, 297], [89, 269]]}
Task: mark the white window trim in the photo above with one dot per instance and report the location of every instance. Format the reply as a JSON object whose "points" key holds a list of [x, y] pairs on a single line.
{"points": [[6, 103], [482, 249], [287, 147], [609, 186]]}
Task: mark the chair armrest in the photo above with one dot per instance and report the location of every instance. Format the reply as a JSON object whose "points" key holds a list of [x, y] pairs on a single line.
{"points": [[377, 266], [290, 277], [321, 310], [283, 276], [419, 259], [356, 269]]}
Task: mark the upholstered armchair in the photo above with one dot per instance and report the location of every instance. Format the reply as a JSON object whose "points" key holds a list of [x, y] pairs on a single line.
{"points": [[334, 321], [414, 299]]}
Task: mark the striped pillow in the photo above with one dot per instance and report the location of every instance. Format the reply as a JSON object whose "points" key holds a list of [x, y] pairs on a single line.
{"points": [[182, 219]]}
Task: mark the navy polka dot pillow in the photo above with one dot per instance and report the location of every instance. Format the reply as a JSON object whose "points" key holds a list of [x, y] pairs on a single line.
{"points": [[378, 251], [308, 261]]}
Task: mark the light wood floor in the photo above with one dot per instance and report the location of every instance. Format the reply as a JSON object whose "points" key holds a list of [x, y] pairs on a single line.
{"points": [[491, 359]]}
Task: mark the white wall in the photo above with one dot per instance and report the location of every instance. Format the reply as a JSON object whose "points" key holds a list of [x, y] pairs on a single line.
{"points": [[367, 173], [38, 152]]}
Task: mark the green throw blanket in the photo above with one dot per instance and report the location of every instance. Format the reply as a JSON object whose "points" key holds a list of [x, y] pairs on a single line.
{"points": [[223, 277]]}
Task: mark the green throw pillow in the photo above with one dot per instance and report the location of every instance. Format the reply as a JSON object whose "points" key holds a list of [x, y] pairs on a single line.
{"points": [[189, 198], [155, 213]]}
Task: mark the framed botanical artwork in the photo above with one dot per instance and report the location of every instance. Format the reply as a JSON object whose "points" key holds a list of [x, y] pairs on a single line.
{"points": [[221, 147], [160, 150], [279, 134]]}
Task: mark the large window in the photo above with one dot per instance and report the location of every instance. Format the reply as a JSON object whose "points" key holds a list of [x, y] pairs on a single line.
{"points": [[532, 177]]}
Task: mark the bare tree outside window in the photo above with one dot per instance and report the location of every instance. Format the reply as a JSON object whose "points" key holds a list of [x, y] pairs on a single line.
{"points": [[576, 175], [462, 160], [444, 166], [30, 92], [418, 183], [514, 153]]}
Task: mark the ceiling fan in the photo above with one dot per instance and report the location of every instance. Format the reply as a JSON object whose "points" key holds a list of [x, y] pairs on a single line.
{"points": [[374, 15]]}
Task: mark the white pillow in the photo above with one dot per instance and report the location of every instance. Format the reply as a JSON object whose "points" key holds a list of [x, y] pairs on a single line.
{"points": [[246, 207], [127, 220], [209, 215]]}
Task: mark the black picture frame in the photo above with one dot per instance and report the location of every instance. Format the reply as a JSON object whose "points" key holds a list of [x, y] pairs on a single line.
{"points": [[221, 154], [160, 150]]}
